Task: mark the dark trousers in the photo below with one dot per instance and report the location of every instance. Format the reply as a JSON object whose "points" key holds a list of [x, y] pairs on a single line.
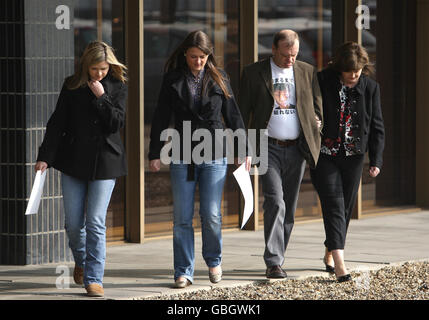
{"points": [[280, 185], [336, 180]]}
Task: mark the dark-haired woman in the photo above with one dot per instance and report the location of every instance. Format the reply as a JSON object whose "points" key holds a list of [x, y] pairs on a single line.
{"points": [[199, 96], [82, 141], [353, 125]]}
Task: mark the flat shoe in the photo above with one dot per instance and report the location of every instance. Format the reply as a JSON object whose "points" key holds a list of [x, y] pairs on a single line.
{"points": [[183, 283], [215, 277], [344, 278], [94, 290]]}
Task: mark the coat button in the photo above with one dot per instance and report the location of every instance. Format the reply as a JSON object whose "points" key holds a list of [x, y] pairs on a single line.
{"points": [[355, 113], [95, 121]]}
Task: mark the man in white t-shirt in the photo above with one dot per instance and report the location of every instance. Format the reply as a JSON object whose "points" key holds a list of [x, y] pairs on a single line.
{"points": [[284, 122], [282, 96]]}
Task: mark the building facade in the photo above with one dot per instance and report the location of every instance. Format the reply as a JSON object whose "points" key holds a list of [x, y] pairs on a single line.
{"points": [[43, 40]]}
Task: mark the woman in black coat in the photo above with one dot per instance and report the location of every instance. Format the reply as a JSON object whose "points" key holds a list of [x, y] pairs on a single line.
{"points": [[82, 140], [198, 95], [353, 125]]}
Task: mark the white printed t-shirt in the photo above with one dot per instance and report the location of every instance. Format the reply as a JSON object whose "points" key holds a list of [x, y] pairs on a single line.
{"points": [[284, 122]]}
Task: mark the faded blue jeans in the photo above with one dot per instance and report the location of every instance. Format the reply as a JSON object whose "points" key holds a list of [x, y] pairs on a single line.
{"points": [[210, 178], [87, 233]]}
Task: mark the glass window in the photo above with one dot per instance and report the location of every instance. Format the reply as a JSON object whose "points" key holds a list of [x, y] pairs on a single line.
{"points": [[166, 24], [311, 19], [369, 42]]}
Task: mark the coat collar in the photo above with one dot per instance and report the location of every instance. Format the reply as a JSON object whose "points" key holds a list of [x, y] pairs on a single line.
{"points": [[179, 84], [334, 77], [361, 85], [107, 83], [298, 73], [267, 76]]}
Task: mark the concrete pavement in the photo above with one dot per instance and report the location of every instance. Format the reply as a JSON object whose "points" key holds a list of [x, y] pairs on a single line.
{"points": [[145, 270]]}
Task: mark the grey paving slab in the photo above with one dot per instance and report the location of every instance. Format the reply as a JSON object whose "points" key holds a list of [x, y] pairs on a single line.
{"points": [[135, 271]]}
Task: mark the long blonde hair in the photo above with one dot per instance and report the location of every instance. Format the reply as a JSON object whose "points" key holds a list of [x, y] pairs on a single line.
{"points": [[96, 52]]}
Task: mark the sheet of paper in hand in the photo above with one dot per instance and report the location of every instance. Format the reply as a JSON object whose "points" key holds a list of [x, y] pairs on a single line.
{"points": [[36, 193]]}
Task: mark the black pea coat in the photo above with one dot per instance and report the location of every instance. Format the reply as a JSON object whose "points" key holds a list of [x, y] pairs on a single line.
{"points": [[216, 112], [367, 119], [82, 136]]}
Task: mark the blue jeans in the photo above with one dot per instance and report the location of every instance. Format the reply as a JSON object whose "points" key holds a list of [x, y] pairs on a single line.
{"points": [[87, 234], [210, 178]]}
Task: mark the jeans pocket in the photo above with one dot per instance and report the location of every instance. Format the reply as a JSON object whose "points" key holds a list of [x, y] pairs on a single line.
{"points": [[220, 161]]}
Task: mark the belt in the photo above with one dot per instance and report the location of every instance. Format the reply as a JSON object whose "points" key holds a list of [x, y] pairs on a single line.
{"points": [[283, 143]]}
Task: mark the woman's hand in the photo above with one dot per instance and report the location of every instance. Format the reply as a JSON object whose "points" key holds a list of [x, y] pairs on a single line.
{"points": [[40, 165], [155, 165], [374, 171], [248, 162], [96, 88], [319, 122]]}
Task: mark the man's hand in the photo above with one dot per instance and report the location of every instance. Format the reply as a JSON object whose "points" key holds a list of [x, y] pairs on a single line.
{"points": [[155, 165]]}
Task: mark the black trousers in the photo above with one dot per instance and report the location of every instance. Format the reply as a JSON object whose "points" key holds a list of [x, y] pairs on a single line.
{"points": [[336, 180]]}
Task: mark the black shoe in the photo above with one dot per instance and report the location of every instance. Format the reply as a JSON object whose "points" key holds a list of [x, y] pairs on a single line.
{"points": [[328, 268], [344, 278], [275, 272]]}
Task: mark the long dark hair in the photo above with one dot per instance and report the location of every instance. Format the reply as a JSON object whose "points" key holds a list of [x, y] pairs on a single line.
{"points": [[351, 56], [200, 40]]}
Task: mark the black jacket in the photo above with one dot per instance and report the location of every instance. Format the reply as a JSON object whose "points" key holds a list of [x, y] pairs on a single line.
{"points": [[367, 117], [175, 100], [82, 136]]}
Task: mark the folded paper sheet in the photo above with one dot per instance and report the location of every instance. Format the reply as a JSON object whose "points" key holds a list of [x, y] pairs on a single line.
{"points": [[243, 178], [36, 193]]}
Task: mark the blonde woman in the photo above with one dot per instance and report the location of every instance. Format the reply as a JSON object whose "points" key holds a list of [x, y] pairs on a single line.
{"points": [[82, 141]]}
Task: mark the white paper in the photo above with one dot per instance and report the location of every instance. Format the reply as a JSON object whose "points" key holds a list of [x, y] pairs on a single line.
{"points": [[36, 193], [243, 179]]}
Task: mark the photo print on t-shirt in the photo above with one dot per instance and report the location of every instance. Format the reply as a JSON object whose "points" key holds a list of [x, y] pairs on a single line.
{"points": [[283, 91]]}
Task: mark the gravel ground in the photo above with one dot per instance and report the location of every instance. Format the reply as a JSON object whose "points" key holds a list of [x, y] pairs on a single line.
{"points": [[409, 281]]}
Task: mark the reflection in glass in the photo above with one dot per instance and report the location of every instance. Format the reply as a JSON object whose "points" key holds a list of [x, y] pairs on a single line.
{"points": [[310, 19], [369, 42]]}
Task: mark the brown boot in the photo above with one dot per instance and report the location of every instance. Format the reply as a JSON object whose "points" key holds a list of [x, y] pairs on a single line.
{"points": [[94, 290], [78, 274]]}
